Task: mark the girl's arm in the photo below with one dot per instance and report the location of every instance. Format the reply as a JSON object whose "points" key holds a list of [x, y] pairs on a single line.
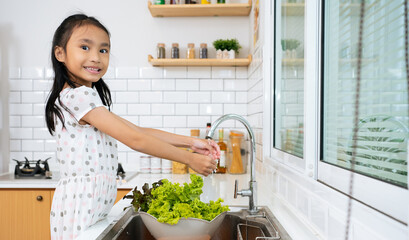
{"points": [[138, 140], [201, 146]]}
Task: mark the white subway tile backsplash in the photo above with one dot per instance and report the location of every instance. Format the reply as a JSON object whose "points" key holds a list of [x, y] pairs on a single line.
{"points": [[15, 97], [126, 72], [42, 133], [223, 72], [32, 121], [211, 109], [32, 72], [241, 72], [197, 121], [175, 72], [21, 85], [21, 109], [14, 72], [32, 145], [50, 145], [139, 109], [163, 84], [163, 109], [38, 109], [151, 97], [211, 84], [42, 85], [119, 108], [32, 97], [199, 72], [187, 109], [48, 73], [174, 121], [20, 157], [175, 97], [116, 84], [223, 97], [151, 121], [111, 73], [127, 97], [241, 97], [235, 85], [187, 84], [240, 109], [15, 121], [198, 97], [151, 72], [15, 145], [139, 85]]}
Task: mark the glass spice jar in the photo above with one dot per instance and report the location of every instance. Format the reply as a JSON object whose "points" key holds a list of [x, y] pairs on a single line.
{"points": [[190, 51], [203, 50], [174, 53], [161, 52]]}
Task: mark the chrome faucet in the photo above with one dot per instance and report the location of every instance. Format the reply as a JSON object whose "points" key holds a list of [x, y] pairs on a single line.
{"points": [[252, 191]]}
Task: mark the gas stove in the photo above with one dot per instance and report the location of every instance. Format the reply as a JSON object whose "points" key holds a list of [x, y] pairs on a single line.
{"points": [[32, 169]]}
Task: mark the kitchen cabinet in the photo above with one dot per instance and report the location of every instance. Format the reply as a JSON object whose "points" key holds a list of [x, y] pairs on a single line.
{"points": [[200, 10], [197, 62], [25, 213]]}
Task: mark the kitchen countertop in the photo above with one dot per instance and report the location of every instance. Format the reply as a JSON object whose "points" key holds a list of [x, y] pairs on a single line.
{"points": [[8, 180]]}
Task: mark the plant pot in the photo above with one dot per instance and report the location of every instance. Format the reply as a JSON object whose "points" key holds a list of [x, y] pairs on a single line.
{"points": [[225, 54], [219, 54], [232, 54]]}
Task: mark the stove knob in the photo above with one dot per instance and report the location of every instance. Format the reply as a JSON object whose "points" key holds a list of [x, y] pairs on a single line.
{"points": [[39, 198]]}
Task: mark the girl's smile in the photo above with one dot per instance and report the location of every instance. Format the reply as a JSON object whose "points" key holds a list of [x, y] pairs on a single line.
{"points": [[86, 56]]}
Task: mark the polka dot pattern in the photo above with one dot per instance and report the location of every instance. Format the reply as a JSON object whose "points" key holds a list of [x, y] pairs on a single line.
{"points": [[88, 162]]}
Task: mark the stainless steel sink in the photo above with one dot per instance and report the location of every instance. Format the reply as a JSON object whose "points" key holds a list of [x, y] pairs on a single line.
{"points": [[237, 225]]}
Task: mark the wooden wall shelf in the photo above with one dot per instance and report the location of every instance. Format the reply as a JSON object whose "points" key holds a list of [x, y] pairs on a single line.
{"points": [[200, 10], [293, 61], [169, 62]]}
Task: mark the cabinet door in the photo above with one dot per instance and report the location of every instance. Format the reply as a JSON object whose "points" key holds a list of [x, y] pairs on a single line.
{"points": [[25, 214], [121, 193]]}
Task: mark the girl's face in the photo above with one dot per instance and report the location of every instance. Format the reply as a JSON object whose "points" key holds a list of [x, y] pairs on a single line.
{"points": [[87, 54]]}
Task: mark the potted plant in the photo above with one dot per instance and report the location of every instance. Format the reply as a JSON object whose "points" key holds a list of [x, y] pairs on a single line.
{"points": [[289, 46], [226, 48]]}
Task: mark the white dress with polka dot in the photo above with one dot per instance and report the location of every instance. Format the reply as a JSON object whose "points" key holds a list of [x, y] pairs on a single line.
{"points": [[88, 162]]}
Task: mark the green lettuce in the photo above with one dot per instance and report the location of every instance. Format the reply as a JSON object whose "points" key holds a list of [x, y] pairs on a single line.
{"points": [[170, 202]]}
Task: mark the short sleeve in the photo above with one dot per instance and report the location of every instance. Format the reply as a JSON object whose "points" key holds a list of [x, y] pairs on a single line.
{"points": [[81, 100]]}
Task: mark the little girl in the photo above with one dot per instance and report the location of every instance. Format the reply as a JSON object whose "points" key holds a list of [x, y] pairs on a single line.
{"points": [[78, 114]]}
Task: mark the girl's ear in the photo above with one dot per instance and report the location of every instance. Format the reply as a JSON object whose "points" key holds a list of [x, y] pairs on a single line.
{"points": [[59, 53]]}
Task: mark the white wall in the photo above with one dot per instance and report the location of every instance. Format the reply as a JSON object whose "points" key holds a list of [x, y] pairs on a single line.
{"points": [[173, 99], [27, 28]]}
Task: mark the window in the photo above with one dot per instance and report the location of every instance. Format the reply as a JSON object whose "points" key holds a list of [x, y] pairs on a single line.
{"points": [[289, 78], [381, 149]]}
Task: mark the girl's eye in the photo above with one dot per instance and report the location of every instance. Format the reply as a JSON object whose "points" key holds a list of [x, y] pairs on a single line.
{"points": [[85, 48], [103, 51]]}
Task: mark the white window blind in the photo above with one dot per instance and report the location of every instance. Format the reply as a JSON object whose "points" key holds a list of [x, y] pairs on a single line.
{"points": [[381, 149]]}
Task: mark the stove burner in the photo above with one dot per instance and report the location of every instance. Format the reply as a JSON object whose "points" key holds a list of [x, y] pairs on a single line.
{"points": [[34, 168]]}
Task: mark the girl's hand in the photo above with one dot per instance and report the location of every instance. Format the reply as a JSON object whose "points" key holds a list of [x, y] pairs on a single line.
{"points": [[202, 164], [206, 147]]}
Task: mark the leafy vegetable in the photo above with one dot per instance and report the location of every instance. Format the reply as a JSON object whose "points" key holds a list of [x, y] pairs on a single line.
{"points": [[142, 201], [169, 202]]}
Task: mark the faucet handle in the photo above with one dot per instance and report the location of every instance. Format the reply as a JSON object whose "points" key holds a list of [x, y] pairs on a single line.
{"points": [[236, 188]]}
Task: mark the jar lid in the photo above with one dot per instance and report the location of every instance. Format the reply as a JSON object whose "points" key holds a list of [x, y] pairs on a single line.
{"points": [[161, 45], [203, 45], [175, 44], [190, 45], [236, 133]]}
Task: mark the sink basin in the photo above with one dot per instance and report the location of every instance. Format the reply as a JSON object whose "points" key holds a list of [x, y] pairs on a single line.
{"points": [[237, 225]]}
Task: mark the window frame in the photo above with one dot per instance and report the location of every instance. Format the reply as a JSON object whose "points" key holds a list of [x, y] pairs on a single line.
{"points": [[390, 200]]}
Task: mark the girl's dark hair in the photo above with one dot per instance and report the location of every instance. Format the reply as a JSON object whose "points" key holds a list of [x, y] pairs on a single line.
{"points": [[61, 37]]}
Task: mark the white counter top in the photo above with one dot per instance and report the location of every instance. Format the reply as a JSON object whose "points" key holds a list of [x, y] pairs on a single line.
{"points": [[8, 180]]}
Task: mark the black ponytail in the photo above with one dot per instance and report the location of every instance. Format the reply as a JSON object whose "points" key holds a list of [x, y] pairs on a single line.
{"points": [[61, 37]]}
